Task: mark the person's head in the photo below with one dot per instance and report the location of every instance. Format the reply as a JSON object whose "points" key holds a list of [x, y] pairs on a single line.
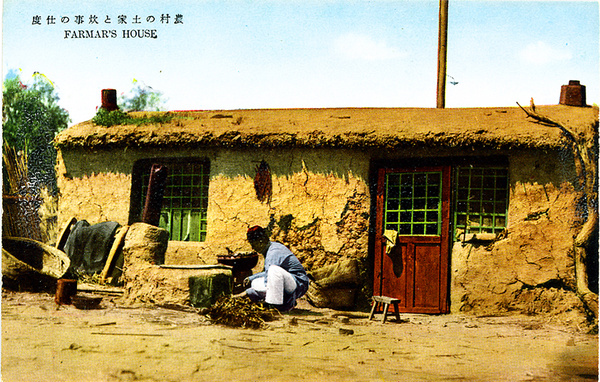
{"points": [[258, 238]]}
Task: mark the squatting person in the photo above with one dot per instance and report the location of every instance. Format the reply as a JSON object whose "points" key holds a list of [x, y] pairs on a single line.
{"points": [[283, 280]]}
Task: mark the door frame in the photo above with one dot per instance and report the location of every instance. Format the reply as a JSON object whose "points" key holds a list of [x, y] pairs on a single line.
{"points": [[443, 240]]}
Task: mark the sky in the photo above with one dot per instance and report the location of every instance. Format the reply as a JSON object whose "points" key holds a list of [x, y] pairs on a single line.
{"points": [[297, 54]]}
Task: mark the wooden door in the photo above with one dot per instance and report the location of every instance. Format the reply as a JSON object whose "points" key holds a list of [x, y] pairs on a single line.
{"points": [[413, 209]]}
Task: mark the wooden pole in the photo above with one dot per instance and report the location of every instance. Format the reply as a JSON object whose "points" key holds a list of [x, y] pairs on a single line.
{"points": [[154, 196], [442, 48]]}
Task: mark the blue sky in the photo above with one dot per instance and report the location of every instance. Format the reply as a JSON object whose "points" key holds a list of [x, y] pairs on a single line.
{"points": [[280, 54]]}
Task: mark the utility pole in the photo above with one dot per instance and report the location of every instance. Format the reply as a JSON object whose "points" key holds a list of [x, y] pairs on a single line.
{"points": [[442, 48]]}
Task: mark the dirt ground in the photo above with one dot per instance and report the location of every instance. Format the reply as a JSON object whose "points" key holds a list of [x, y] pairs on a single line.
{"points": [[44, 342]]}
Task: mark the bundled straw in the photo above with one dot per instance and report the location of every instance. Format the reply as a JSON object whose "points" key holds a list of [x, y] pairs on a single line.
{"points": [[241, 312], [15, 167], [20, 200]]}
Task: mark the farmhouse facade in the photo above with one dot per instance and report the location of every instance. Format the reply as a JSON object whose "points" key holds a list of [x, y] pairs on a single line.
{"points": [[446, 209]]}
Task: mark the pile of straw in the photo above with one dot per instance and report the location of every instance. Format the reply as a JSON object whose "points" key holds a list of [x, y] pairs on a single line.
{"points": [[241, 313]]}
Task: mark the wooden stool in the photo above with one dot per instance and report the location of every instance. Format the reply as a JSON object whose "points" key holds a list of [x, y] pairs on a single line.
{"points": [[386, 301]]}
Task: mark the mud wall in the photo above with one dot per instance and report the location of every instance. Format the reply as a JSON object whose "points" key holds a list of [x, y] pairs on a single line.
{"points": [[93, 185], [531, 269], [319, 205]]}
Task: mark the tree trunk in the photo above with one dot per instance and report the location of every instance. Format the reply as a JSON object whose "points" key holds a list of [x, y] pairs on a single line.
{"points": [[589, 298]]}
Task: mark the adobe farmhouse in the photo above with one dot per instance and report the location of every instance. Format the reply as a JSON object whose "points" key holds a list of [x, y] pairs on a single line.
{"points": [[449, 210]]}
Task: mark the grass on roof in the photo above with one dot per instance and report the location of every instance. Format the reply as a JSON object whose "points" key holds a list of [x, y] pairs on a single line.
{"points": [[116, 117]]}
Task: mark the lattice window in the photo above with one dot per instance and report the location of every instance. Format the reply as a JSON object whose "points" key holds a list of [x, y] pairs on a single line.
{"points": [[481, 199], [185, 201], [413, 203]]}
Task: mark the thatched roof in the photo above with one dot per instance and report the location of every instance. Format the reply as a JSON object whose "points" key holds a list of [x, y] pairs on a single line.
{"points": [[506, 127]]}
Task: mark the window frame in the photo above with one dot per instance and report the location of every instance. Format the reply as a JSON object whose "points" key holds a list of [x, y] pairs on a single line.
{"points": [[423, 208], [478, 193], [175, 211]]}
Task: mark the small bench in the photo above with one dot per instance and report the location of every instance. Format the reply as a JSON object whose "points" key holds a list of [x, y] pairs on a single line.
{"points": [[386, 301]]}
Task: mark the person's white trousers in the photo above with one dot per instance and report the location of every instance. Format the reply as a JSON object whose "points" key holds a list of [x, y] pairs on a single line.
{"points": [[278, 281]]}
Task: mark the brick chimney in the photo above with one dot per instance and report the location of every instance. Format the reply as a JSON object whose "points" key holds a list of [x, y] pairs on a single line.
{"points": [[109, 99], [572, 94]]}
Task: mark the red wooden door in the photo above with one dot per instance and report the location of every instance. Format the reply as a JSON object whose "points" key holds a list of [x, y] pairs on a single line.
{"points": [[413, 207]]}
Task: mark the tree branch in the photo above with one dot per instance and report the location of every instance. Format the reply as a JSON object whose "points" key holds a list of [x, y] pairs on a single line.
{"points": [[549, 121], [568, 133]]}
